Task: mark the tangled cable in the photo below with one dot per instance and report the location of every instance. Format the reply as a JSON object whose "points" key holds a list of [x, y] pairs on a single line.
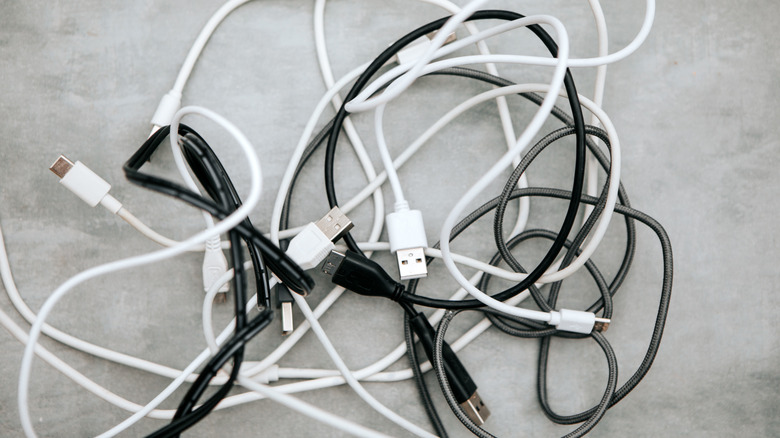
{"points": [[279, 259]]}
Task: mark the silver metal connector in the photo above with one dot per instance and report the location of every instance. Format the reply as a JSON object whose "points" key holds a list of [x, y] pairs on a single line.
{"points": [[332, 262], [411, 263], [601, 324], [334, 224], [475, 409], [287, 318], [61, 166]]}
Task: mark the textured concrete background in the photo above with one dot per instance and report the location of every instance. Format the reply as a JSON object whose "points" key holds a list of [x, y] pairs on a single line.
{"points": [[696, 110]]}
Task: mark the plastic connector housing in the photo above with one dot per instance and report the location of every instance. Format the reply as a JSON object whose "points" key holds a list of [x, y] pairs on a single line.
{"points": [[309, 247], [406, 232], [86, 184], [169, 104], [575, 321]]}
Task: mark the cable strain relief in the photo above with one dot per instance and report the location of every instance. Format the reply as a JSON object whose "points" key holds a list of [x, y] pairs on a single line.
{"points": [[398, 292], [555, 318], [111, 204], [401, 206], [169, 104], [213, 244]]}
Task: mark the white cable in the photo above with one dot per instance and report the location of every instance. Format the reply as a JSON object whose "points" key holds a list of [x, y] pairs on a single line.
{"points": [[592, 169], [363, 102], [76, 376], [524, 139], [597, 235], [276, 213], [229, 222], [347, 374], [153, 235], [310, 410]]}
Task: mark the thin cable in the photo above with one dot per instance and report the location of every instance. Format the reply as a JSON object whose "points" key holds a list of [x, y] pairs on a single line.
{"points": [[350, 378], [222, 226]]}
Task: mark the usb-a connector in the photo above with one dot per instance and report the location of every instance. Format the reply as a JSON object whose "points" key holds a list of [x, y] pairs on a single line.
{"points": [[406, 232], [411, 263], [334, 224], [476, 409], [315, 242], [310, 247]]}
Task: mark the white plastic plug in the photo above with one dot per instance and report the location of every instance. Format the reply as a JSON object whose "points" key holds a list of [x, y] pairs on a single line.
{"points": [[406, 232], [214, 265], [577, 321]]}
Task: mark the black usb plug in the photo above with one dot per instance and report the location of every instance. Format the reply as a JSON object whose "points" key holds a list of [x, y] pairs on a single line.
{"points": [[463, 387], [361, 275], [366, 277]]}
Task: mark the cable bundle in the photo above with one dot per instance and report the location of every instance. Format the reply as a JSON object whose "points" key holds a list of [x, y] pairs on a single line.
{"points": [[286, 253]]}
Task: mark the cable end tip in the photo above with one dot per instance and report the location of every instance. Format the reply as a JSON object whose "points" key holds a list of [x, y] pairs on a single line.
{"points": [[334, 225], [601, 324], [220, 297], [411, 263], [62, 166], [287, 318], [332, 262], [476, 409]]}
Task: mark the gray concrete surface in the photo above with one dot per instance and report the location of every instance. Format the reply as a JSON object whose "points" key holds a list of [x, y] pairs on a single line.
{"points": [[696, 109]]}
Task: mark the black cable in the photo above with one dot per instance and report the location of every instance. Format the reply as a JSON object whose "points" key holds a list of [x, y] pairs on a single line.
{"points": [[215, 180], [444, 383], [478, 431], [422, 388], [197, 152], [280, 264], [213, 177], [228, 350], [579, 165], [211, 174], [663, 305]]}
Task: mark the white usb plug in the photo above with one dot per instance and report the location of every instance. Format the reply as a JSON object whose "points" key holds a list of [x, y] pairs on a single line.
{"points": [[406, 232], [308, 249]]}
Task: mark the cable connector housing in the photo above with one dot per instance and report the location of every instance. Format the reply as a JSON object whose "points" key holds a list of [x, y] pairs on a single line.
{"points": [[85, 183], [315, 242], [463, 387], [361, 275], [577, 321], [406, 232], [215, 265]]}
